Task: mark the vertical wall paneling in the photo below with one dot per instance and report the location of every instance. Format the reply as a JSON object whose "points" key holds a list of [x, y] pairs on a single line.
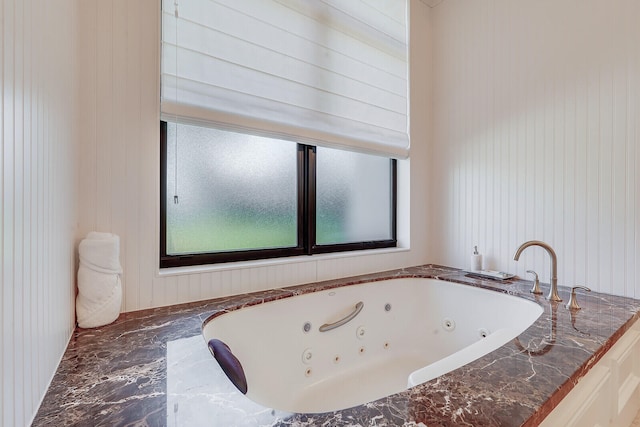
{"points": [[9, 406], [117, 172], [27, 288], [38, 214], [87, 116], [131, 247], [106, 126], [18, 225], [4, 403], [536, 135], [149, 166], [634, 159]]}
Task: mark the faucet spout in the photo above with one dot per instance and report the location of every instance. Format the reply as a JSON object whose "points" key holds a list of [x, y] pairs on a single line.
{"points": [[553, 293]]}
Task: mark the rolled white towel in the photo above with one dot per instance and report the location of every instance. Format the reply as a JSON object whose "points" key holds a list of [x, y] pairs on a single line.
{"points": [[101, 252], [95, 287], [94, 313], [99, 287]]}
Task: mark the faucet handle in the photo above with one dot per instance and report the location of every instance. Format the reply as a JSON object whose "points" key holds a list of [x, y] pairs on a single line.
{"points": [[536, 283], [573, 302]]}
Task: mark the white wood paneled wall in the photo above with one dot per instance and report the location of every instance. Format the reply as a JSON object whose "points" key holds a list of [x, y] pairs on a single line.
{"points": [[119, 185], [536, 133], [38, 161]]}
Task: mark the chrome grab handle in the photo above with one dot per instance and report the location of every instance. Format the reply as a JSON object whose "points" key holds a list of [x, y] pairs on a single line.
{"points": [[329, 326]]}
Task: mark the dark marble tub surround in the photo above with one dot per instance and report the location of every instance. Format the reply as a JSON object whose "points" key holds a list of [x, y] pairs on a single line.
{"points": [[150, 368]]}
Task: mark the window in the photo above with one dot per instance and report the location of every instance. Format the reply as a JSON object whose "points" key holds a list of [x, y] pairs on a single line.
{"points": [[353, 198], [280, 120], [229, 196]]}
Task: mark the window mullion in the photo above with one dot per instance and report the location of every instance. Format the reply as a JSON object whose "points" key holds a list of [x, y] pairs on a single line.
{"points": [[310, 198], [394, 201], [163, 189]]}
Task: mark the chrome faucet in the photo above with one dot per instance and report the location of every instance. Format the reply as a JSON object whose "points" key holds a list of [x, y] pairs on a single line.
{"points": [[553, 293]]}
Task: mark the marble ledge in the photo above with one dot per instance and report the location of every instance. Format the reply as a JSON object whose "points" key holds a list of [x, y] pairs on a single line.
{"points": [[152, 368]]}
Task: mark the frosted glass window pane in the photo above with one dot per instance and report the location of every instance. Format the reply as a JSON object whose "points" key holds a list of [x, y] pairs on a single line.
{"points": [[235, 191], [353, 197]]}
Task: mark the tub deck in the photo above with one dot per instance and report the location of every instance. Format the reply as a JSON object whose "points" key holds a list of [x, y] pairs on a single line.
{"points": [[152, 368]]}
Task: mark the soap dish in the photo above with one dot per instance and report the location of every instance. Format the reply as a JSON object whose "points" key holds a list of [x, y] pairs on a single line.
{"points": [[492, 274]]}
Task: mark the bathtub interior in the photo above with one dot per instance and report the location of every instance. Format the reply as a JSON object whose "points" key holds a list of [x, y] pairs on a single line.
{"points": [[408, 332]]}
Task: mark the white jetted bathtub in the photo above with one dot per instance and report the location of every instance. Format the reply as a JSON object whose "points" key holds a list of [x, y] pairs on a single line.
{"points": [[342, 347]]}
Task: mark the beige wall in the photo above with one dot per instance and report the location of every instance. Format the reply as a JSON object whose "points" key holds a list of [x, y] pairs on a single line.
{"points": [[119, 130], [39, 198], [536, 134]]}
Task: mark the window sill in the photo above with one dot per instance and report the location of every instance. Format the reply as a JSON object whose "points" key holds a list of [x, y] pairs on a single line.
{"points": [[239, 265]]}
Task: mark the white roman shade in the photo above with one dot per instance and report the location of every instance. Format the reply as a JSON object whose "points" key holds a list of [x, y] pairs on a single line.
{"points": [[322, 72]]}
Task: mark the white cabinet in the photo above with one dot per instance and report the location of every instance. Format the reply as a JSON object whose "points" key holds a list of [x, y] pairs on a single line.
{"points": [[625, 369], [609, 395]]}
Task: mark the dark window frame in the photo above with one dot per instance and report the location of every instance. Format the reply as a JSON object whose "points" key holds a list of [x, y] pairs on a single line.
{"points": [[306, 220]]}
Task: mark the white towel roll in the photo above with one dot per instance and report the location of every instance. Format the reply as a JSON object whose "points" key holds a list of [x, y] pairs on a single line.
{"points": [[99, 287], [94, 286], [101, 252], [92, 314]]}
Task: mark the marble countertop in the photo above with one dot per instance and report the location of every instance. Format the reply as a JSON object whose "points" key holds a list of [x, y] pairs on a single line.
{"points": [[152, 368]]}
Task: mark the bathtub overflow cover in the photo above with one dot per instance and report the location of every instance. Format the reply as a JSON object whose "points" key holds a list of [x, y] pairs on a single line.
{"points": [[387, 307], [306, 327]]}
